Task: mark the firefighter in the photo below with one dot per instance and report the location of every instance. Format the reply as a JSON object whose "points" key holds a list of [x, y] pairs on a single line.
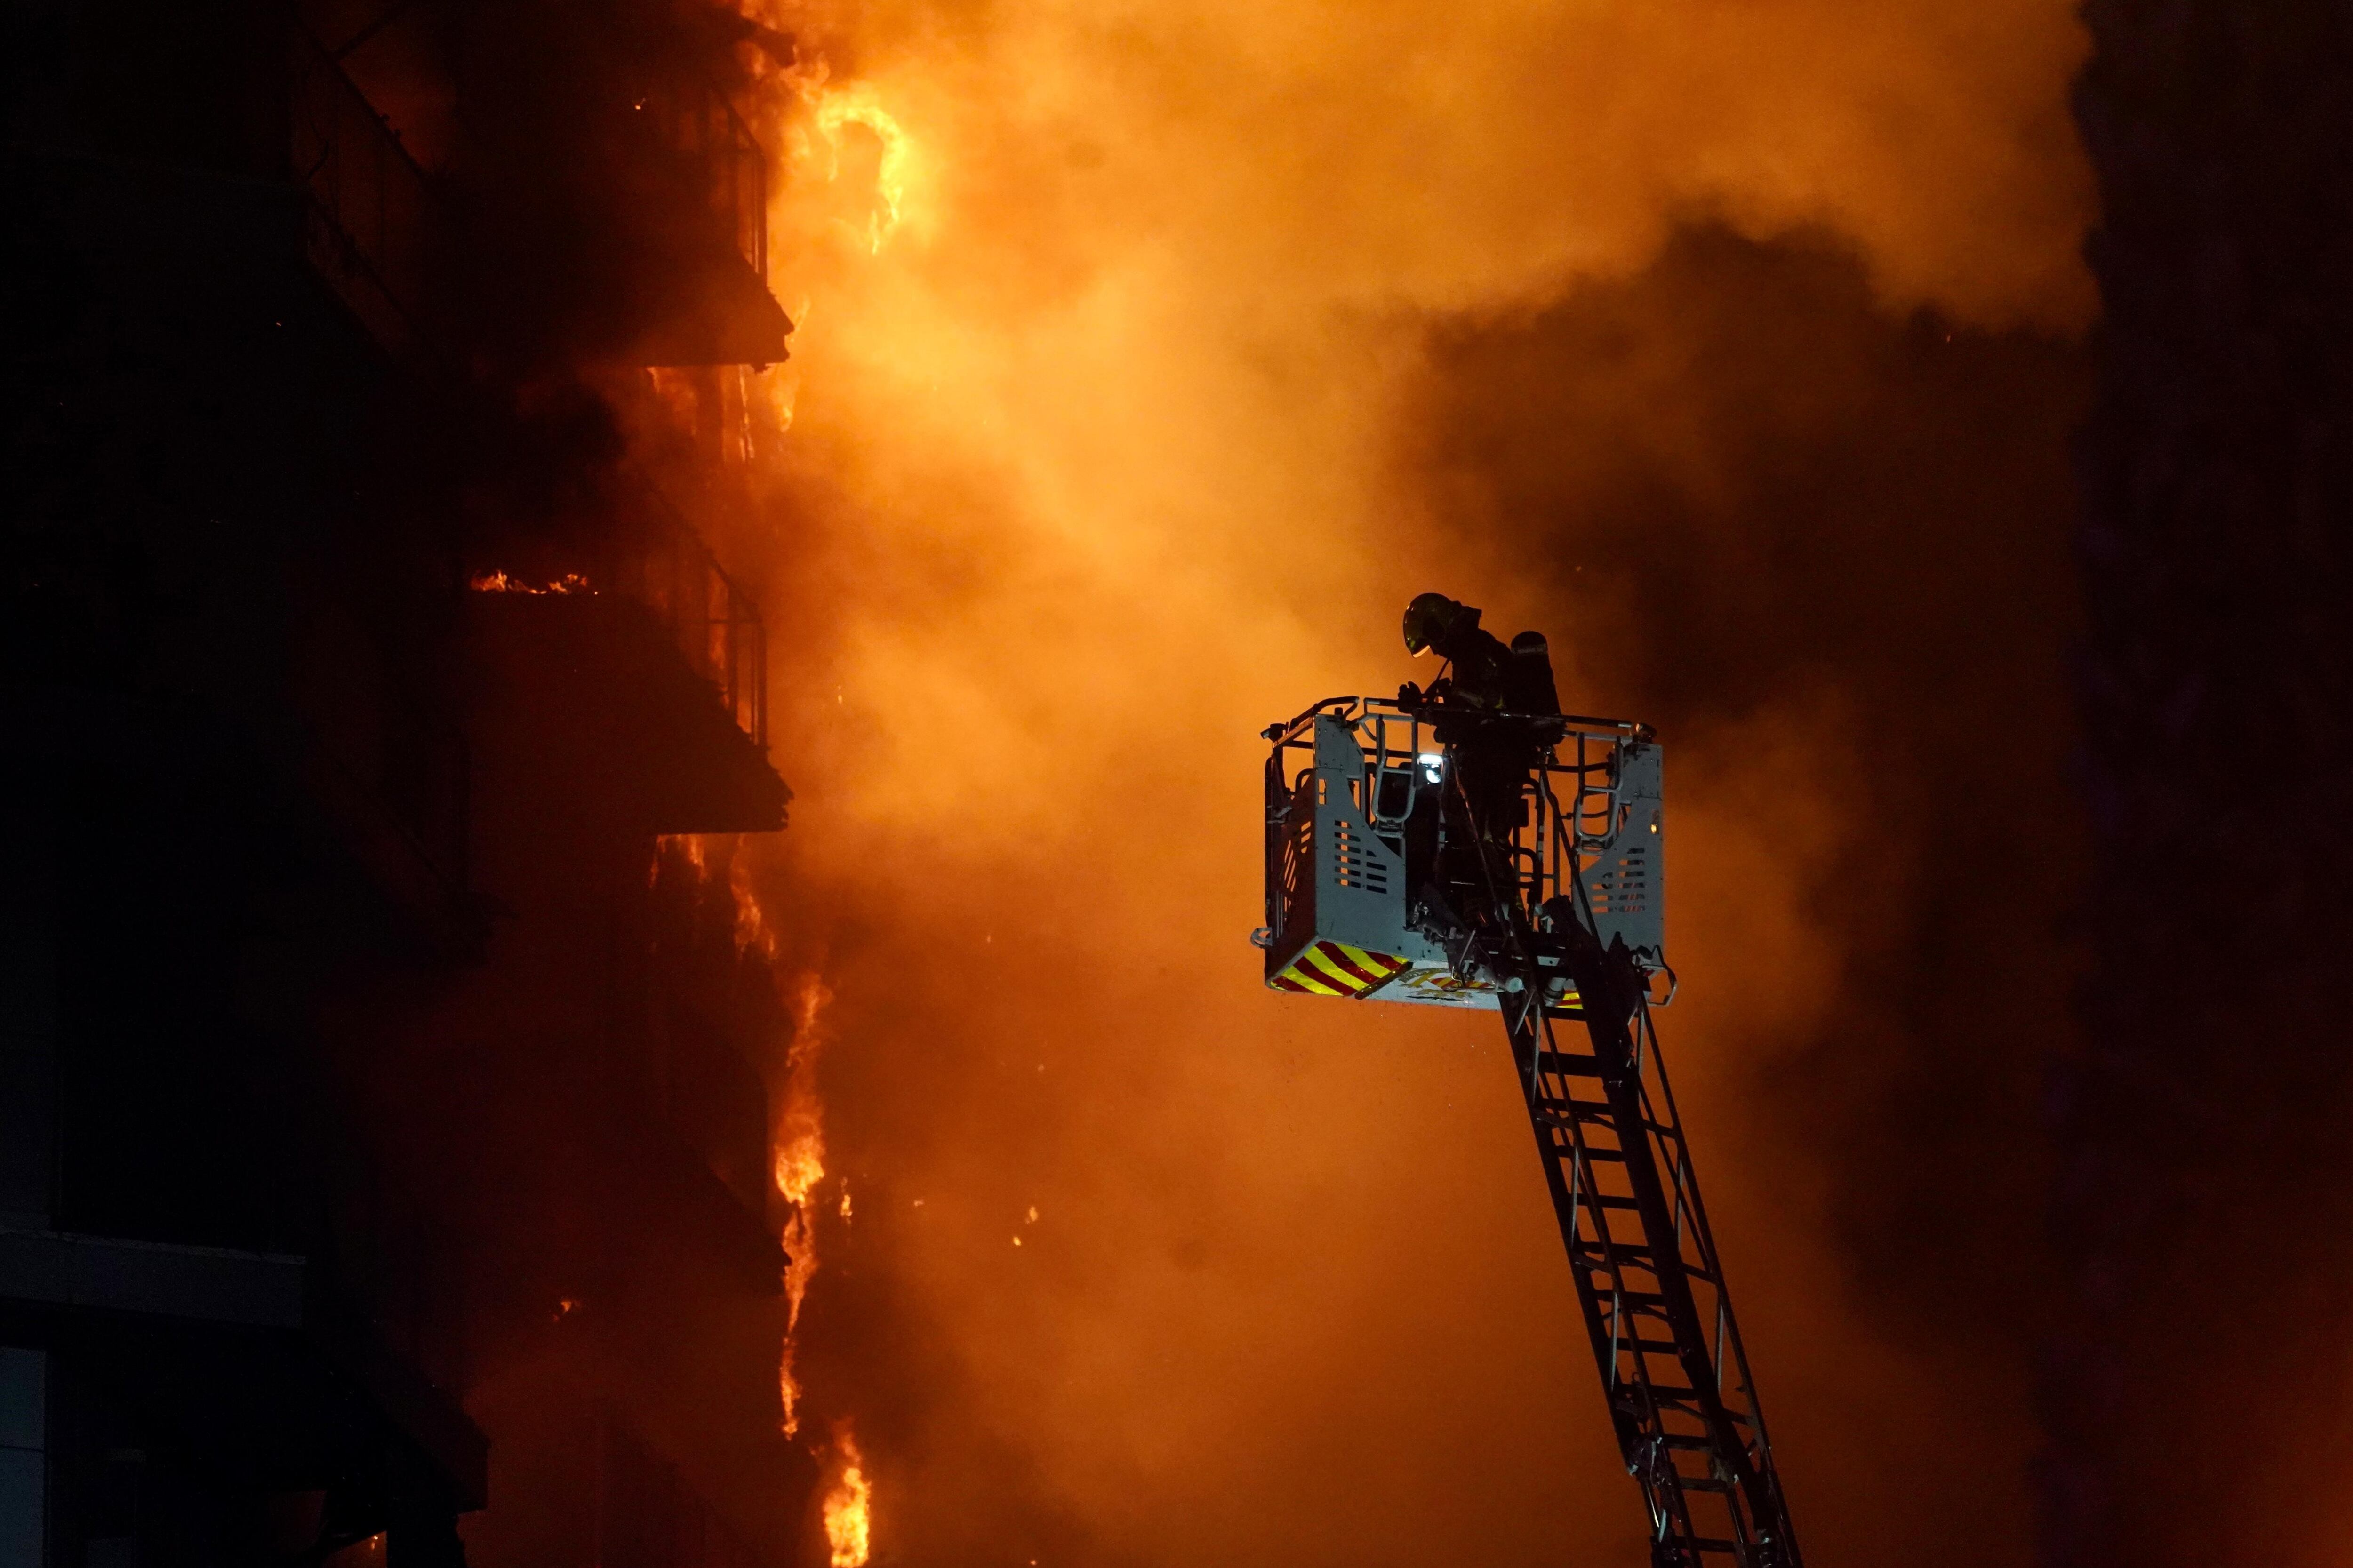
{"points": [[1491, 702], [1491, 707]]}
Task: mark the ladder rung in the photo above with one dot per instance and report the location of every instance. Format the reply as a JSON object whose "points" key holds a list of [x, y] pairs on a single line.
{"points": [[1615, 1255]]}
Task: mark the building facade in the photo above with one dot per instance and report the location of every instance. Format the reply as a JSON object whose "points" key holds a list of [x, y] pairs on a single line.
{"points": [[372, 1158]]}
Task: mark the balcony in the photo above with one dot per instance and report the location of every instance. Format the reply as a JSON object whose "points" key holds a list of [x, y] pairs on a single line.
{"points": [[711, 622], [368, 205], [676, 229], [713, 183], [638, 673]]}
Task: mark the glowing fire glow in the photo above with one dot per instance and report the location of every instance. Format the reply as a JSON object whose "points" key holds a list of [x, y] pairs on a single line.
{"points": [[813, 116], [797, 1147], [500, 583], [752, 932], [800, 1165], [856, 105], [850, 1505], [789, 1390], [833, 107], [687, 844], [799, 1168]]}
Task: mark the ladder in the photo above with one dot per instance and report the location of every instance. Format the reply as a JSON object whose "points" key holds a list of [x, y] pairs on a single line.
{"points": [[1381, 887], [1648, 1280]]}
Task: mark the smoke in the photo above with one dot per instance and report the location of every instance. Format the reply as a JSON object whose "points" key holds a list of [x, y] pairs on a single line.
{"points": [[1845, 593], [1726, 343]]}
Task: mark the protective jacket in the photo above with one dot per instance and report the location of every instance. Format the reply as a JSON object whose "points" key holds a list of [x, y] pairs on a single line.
{"points": [[1492, 676]]}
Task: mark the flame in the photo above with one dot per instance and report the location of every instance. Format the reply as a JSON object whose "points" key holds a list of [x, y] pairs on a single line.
{"points": [[779, 388], [833, 107], [800, 1133], [752, 932], [799, 1168], [797, 1148], [687, 844], [788, 1391], [500, 583], [857, 106], [850, 1505], [742, 446]]}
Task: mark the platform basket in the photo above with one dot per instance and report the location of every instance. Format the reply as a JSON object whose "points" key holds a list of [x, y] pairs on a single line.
{"points": [[1344, 783]]}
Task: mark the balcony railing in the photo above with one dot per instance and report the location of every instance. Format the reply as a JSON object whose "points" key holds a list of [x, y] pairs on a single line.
{"points": [[716, 624], [663, 565], [368, 202], [694, 123]]}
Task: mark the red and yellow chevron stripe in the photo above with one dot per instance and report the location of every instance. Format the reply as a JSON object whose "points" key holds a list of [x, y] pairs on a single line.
{"points": [[1335, 969]]}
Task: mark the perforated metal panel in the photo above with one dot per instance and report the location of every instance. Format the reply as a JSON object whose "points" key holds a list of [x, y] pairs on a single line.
{"points": [[1340, 900], [1625, 879]]}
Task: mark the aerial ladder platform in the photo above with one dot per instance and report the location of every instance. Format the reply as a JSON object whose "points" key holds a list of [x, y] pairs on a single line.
{"points": [[1380, 887]]}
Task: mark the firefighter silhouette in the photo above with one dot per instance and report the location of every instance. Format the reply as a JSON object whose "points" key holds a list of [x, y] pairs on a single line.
{"points": [[1491, 707]]}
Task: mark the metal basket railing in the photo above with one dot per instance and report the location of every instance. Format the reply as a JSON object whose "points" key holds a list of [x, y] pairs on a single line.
{"points": [[1572, 837]]}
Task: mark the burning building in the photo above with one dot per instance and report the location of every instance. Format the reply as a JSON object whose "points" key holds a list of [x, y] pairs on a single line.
{"points": [[384, 1114]]}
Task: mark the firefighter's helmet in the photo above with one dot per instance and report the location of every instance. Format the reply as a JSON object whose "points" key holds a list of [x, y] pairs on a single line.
{"points": [[1430, 618]]}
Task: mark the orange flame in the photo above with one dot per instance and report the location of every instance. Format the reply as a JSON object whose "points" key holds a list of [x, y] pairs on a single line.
{"points": [[798, 1149], [752, 932], [500, 583], [789, 1390], [799, 1168], [850, 1505], [834, 106], [800, 1165]]}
